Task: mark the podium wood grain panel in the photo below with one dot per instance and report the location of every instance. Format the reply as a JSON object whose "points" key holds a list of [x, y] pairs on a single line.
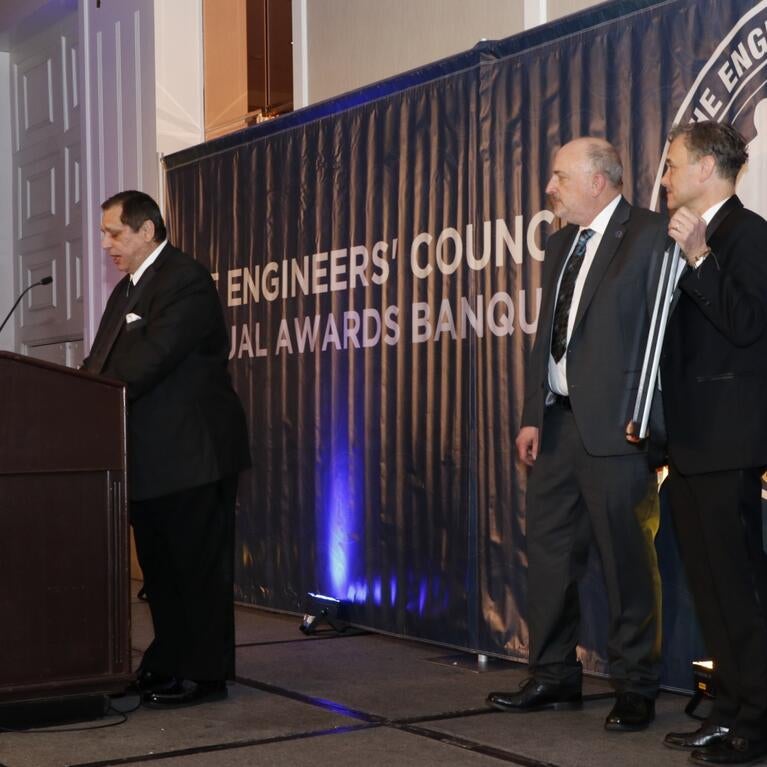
{"points": [[64, 594]]}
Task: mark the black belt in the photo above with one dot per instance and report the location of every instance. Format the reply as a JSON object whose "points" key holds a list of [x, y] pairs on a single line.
{"points": [[560, 401]]}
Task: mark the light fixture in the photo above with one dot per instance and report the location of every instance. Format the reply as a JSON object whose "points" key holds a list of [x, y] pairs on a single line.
{"points": [[319, 609], [703, 677]]}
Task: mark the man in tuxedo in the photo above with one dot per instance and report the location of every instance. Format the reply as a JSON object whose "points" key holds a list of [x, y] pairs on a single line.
{"points": [[163, 335], [713, 379], [586, 481]]}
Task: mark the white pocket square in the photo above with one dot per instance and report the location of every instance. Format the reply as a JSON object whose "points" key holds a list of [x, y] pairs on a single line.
{"points": [[131, 317]]}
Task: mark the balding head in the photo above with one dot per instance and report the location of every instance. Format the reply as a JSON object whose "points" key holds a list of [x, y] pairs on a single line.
{"points": [[587, 175]]}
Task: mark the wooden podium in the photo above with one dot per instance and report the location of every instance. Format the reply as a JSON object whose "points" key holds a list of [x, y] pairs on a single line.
{"points": [[64, 563]]}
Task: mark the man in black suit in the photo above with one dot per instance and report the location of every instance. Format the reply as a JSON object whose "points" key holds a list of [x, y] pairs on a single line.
{"points": [[587, 482], [163, 335], [713, 378]]}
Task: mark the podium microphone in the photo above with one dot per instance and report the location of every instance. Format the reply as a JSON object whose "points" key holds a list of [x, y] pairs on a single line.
{"points": [[44, 281]]}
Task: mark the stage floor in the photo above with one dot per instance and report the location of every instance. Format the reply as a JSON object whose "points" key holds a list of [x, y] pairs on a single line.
{"points": [[349, 701]]}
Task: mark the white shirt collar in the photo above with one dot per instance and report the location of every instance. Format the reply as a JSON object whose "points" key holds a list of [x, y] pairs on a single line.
{"points": [[147, 262], [713, 210], [602, 219]]}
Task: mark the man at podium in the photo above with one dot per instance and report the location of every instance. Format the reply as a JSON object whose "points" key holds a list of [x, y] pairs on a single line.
{"points": [[163, 335]]}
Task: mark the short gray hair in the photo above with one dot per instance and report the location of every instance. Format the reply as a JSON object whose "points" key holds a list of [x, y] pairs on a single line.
{"points": [[605, 159]]}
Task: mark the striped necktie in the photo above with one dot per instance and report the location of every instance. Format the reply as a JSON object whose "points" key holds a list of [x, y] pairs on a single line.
{"points": [[565, 297]]}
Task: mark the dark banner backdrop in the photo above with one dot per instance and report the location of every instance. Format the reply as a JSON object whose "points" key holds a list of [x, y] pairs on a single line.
{"points": [[379, 258]]}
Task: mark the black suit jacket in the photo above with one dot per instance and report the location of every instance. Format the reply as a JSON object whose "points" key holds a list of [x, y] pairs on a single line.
{"points": [[186, 425], [604, 356], [714, 361]]}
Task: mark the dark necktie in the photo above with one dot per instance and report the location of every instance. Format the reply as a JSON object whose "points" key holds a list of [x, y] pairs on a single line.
{"points": [[108, 331], [565, 297]]}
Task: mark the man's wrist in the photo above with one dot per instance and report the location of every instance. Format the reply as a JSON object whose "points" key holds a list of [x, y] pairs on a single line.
{"points": [[695, 260]]}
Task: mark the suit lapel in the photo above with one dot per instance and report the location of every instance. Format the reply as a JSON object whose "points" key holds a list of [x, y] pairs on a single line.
{"points": [[559, 256], [109, 327], [122, 307], [732, 204], [608, 247], [140, 289]]}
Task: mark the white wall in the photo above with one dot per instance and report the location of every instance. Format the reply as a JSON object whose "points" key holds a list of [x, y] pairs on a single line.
{"points": [[351, 43], [559, 8], [7, 287], [340, 45], [179, 74]]}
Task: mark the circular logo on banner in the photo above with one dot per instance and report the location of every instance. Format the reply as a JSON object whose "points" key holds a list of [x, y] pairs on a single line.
{"points": [[732, 87]]}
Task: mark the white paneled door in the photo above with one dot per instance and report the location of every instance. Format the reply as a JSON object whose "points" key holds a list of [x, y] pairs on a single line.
{"points": [[46, 125]]}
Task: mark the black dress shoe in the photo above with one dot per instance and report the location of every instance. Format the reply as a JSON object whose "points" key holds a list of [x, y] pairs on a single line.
{"points": [[631, 712], [537, 696], [704, 736], [149, 681], [185, 692], [731, 750]]}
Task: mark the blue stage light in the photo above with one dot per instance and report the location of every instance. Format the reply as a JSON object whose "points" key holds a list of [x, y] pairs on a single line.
{"points": [[422, 592], [357, 593], [340, 523]]}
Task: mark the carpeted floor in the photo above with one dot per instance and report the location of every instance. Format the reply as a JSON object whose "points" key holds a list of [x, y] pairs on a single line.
{"points": [[347, 701]]}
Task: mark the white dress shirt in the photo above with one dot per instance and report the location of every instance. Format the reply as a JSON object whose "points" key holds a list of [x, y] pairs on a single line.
{"points": [[147, 262], [558, 370]]}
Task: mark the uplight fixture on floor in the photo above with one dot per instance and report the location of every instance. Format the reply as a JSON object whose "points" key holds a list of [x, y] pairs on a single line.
{"points": [[319, 609], [703, 676]]}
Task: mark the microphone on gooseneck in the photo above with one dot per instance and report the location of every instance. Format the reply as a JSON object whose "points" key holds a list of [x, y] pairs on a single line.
{"points": [[44, 281]]}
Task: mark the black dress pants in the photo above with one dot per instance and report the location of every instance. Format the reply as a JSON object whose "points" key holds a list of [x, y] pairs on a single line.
{"points": [[574, 498], [185, 546], [718, 523]]}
